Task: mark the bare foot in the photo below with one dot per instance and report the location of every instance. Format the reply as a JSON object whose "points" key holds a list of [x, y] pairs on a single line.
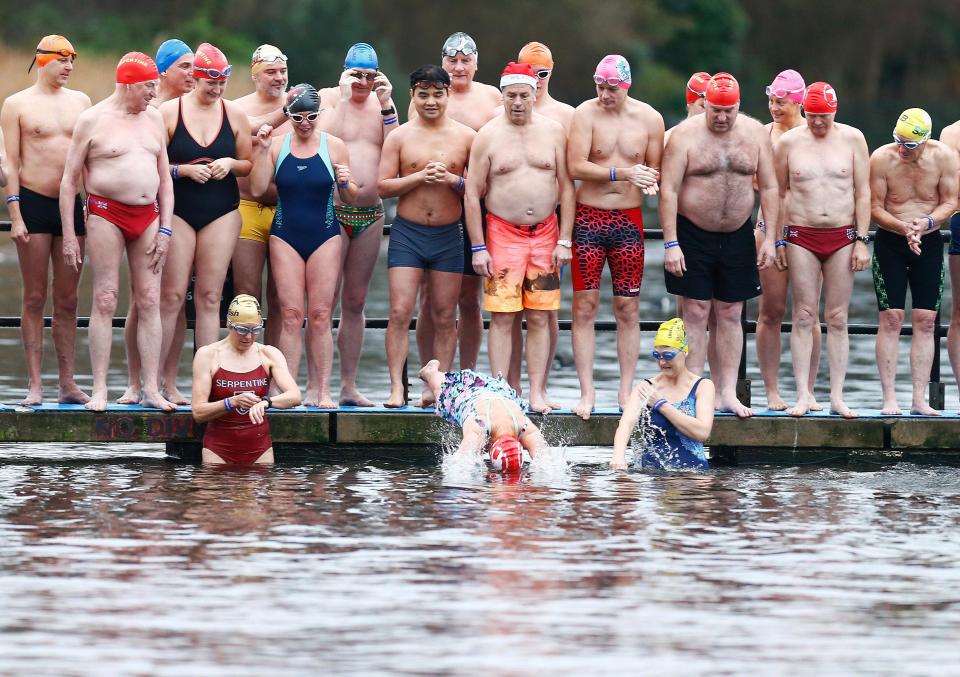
{"points": [[815, 406], [553, 405], [539, 405], [98, 402], [841, 409], [156, 401], [923, 409], [311, 399], [734, 406], [776, 403], [326, 402], [395, 401], [891, 408], [71, 394], [34, 396], [174, 396], [130, 396], [584, 407], [800, 408], [353, 398], [426, 399]]}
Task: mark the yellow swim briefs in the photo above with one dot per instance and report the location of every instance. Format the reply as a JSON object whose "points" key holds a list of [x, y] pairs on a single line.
{"points": [[257, 219]]}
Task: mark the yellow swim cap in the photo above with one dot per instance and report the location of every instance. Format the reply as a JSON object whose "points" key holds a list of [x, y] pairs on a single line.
{"points": [[244, 309], [914, 124], [672, 334]]}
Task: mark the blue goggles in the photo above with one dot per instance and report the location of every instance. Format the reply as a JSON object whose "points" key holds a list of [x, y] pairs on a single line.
{"points": [[666, 356]]}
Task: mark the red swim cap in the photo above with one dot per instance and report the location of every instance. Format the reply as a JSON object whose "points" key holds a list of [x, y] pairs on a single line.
{"points": [[136, 67], [820, 99], [209, 63], [723, 90], [697, 86], [506, 454]]}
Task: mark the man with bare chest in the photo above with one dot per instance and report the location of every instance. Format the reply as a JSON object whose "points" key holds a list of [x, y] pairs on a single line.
{"points": [[950, 136], [823, 174], [423, 164], [119, 152], [614, 150], [706, 199], [914, 184], [363, 122], [37, 126], [518, 162]]}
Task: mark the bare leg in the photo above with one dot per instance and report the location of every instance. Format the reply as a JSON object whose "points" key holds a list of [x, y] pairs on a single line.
{"points": [[515, 372], [538, 351], [470, 326], [838, 284], [404, 283], [953, 333], [291, 278], [215, 245], [106, 252], [171, 364], [65, 282], [729, 347], [626, 310], [773, 304], [554, 338], [500, 342], [888, 347], [248, 261], [444, 292], [34, 263], [425, 337], [585, 306], [695, 317], [272, 329], [921, 359], [323, 274], [132, 394], [173, 290], [805, 279]]}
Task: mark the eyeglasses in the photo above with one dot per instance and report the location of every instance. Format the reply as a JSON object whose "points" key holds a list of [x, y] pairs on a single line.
{"points": [[299, 117], [782, 93], [369, 77], [612, 82], [214, 73], [246, 331], [665, 356], [909, 145], [466, 50], [543, 73]]}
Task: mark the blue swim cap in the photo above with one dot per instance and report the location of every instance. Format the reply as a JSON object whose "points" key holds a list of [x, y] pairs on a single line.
{"points": [[361, 55], [169, 52]]}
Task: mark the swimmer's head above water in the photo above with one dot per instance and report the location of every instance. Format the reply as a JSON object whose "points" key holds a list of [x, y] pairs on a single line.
{"points": [[670, 344], [459, 57]]}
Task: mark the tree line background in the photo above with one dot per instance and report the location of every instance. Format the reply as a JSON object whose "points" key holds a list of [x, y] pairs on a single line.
{"points": [[881, 55]]}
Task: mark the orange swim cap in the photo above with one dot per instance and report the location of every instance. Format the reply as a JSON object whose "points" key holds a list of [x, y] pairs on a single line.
{"points": [[723, 90], [820, 99], [537, 55], [136, 67], [51, 48], [697, 86]]}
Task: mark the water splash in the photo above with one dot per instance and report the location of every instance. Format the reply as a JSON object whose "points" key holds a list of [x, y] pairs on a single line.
{"points": [[647, 437]]}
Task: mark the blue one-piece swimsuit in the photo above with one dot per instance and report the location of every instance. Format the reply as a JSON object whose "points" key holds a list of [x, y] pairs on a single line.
{"points": [[305, 217], [672, 450]]}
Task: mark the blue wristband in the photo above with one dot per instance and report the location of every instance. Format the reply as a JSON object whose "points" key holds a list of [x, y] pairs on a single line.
{"points": [[175, 171], [478, 248], [671, 244], [460, 184], [613, 173], [13, 198], [344, 185], [165, 231], [781, 243], [227, 405], [930, 222], [659, 403], [390, 120]]}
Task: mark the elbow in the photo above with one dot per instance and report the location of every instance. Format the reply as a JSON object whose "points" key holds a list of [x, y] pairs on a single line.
{"points": [[383, 189]]}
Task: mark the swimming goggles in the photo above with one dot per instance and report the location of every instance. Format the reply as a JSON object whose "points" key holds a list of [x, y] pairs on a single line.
{"points": [[299, 117], [611, 82], [543, 73], [246, 331], [700, 95], [665, 356], [909, 145], [466, 50], [214, 73], [782, 93], [369, 77]]}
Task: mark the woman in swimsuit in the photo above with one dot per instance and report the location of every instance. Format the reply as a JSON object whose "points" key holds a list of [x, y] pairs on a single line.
{"points": [[485, 407], [231, 379], [208, 146], [680, 403], [306, 166]]}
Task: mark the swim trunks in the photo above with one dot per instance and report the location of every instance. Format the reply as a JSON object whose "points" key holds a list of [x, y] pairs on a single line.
{"points": [[467, 251], [355, 220], [200, 204], [257, 219], [821, 242], [672, 450], [458, 396], [954, 235], [305, 218], [523, 273], [233, 437], [614, 235], [895, 266], [132, 220], [721, 266], [41, 214], [437, 248]]}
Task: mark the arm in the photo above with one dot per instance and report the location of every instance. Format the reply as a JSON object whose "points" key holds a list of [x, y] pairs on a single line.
{"points": [[10, 126], [568, 202], [695, 427], [3, 174], [473, 438], [203, 409], [781, 166], [70, 186], [264, 159], [274, 118], [674, 168], [383, 89], [628, 423], [769, 198], [157, 250], [655, 129], [242, 164], [340, 158], [948, 187], [476, 188], [878, 197], [860, 256], [388, 183]]}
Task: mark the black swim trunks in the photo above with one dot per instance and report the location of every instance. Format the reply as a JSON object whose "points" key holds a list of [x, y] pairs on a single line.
{"points": [[721, 266], [895, 266], [41, 214]]}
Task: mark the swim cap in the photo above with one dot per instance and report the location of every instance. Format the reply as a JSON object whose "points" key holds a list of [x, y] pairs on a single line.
{"points": [[820, 99], [244, 309], [697, 86], [536, 54], [51, 48], [788, 84], [136, 67], [361, 55], [506, 454], [518, 74], [303, 98], [614, 69], [914, 124], [210, 63], [723, 90], [265, 56], [672, 334], [459, 42], [170, 52]]}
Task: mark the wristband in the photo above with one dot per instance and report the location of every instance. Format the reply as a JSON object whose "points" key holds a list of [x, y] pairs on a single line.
{"points": [[930, 222], [659, 403], [175, 171], [390, 120], [862, 238], [227, 405], [388, 111], [165, 231], [13, 198], [671, 244], [781, 243], [344, 185], [460, 184], [613, 173], [478, 248], [268, 401], [762, 226], [565, 243]]}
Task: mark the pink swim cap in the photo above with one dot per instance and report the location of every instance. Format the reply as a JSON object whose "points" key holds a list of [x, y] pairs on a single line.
{"points": [[613, 69], [788, 84]]}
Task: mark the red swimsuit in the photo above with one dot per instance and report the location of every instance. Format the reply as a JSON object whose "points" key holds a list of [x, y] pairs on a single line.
{"points": [[233, 437], [132, 220]]}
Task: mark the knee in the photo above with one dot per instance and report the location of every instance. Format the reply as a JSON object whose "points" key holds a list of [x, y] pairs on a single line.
{"points": [[446, 316], [772, 312], [291, 318], [65, 303], [891, 320], [105, 300], [585, 308], [352, 301], [695, 313], [208, 298], [401, 312], [148, 301], [503, 321], [469, 301], [626, 310], [320, 317], [924, 323], [836, 319], [172, 299], [803, 316], [537, 319], [35, 300], [728, 313]]}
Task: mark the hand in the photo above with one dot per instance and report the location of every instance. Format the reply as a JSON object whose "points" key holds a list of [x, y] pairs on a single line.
{"points": [[645, 178], [220, 168], [673, 261], [198, 173], [72, 258], [264, 137], [244, 400], [767, 256], [347, 81], [618, 464], [342, 174], [435, 172], [781, 260], [648, 393], [257, 411], [860, 258], [913, 242], [561, 256], [482, 263], [157, 251], [18, 230], [383, 88]]}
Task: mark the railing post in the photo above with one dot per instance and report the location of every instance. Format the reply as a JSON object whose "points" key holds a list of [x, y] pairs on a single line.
{"points": [[936, 388]]}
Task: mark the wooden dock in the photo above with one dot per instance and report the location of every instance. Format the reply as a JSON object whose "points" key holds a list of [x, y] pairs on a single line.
{"points": [[768, 437]]}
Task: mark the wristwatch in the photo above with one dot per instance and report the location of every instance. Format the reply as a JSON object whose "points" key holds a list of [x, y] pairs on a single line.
{"points": [[388, 111], [268, 401], [565, 243], [862, 238]]}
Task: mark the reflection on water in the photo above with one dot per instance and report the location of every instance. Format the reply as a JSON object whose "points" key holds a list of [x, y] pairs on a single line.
{"points": [[152, 568]]}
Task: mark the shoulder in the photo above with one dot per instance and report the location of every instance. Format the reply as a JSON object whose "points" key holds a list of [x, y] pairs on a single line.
{"points": [[951, 134], [489, 90], [243, 100], [234, 110], [942, 153], [465, 131], [272, 354], [882, 156], [790, 137], [852, 133], [645, 111], [204, 355], [330, 96], [169, 107], [751, 126], [548, 124]]}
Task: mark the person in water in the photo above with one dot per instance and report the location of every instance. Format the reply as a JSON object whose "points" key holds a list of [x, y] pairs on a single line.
{"points": [[231, 379], [485, 407], [680, 403]]}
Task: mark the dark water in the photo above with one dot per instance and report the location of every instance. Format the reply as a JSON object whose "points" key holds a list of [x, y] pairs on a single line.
{"points": [[136, 567]]}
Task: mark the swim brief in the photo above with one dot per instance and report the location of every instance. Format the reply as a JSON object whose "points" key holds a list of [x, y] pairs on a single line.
{"points": [[721, 266], [523, 272], [256, 219], [954, 235], [132, 220], [821, 242], [437, 248], [895, 266], [355, 220], [614, 235], [41, 214]]}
